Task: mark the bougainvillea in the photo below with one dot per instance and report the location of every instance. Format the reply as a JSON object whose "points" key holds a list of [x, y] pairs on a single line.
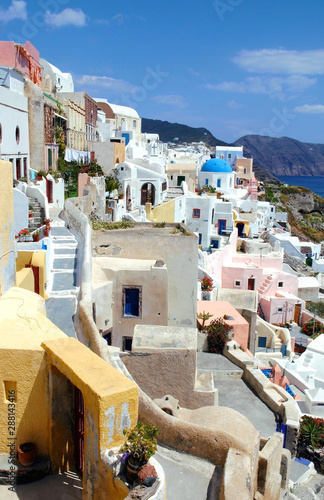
{"points": [[309, 328], [207, 284], [218, 332]]}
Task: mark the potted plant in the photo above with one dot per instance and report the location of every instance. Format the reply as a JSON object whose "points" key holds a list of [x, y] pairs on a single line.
{"points": [[27, 453], [40, 174], [141, 445], [206, 287], [36, 235], [22, 234], [46, 231]]}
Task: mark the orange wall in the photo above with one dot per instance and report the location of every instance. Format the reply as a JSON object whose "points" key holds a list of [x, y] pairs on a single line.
{"points": [[220, 308]]}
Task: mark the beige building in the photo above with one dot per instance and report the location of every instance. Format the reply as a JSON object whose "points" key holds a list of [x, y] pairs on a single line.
{"points": [[124, 121], [75, 131], [143, 275], [244, 171]]}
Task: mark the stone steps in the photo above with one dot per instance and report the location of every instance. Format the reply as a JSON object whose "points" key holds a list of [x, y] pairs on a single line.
{"points": [[38, 214]]}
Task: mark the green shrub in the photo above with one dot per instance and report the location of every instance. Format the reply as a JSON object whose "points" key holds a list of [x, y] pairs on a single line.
{"points": [[311, 431], [141, 441]]}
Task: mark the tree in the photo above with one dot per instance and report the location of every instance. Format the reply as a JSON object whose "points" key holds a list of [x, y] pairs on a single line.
{"points": [[112, 181]]}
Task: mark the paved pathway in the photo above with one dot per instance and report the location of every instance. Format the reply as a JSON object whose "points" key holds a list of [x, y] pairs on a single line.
{"points": [[188, 477], [62, 285], [234, 393], [66, 486]]}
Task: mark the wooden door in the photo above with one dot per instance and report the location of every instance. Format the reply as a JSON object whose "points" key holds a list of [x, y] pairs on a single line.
{"points": [[251, 284], [79, 430], [297, 313], [49, 190]]}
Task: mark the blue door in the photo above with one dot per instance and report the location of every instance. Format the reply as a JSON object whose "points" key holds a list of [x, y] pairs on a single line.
{"points": [[126, 138], [221, 226]]}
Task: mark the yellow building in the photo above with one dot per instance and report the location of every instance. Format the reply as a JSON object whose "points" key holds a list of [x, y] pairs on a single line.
{"points": [[52, 385]]}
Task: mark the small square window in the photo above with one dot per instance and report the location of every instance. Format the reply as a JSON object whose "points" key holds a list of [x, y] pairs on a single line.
{"points": [[196, 213], [279, 309], [280, 284], [237, 283], [229, 156]]}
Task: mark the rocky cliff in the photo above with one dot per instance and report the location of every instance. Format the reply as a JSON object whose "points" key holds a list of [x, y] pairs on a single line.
{"points": [[284, 156]]}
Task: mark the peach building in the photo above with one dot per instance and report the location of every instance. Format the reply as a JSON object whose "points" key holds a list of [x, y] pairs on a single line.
{"points": [[225, 310]]}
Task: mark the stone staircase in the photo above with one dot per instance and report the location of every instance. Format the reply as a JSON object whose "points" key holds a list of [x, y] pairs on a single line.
{"points": [[266, 284], [173, 193], [38, 214]]}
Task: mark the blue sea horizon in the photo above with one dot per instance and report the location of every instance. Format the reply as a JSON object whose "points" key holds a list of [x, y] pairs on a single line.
{"points": [[315, 184]]}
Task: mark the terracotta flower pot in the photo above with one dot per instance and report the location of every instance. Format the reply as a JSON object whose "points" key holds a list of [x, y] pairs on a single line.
{"points": [[133, 468], [46, 231], [36, 237], [27, 453]]}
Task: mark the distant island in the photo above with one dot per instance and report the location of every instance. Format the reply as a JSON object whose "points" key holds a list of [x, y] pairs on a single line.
{"points": [[275, 156]]}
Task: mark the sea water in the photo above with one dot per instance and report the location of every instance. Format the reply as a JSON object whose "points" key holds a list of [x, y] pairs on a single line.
{"points": [[315, 184]]}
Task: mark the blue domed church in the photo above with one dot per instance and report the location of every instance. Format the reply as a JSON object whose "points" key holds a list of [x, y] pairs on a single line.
{"points": [[217, 173]]}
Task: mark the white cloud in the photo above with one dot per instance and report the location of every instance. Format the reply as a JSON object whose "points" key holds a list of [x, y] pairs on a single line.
{"points": [[279, 61], [74, 17], [116, 20], [17, 10], [234, 105], [171, 100], [193, 72], [106, 82], [281, 87], [314, 109]]}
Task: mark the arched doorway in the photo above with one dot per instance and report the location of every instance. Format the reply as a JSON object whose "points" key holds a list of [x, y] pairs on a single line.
{"points": [[148, 193], [128, 199]]}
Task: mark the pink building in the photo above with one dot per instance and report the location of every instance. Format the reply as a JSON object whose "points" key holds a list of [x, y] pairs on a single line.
{"points": [[24, 58], [225, 310], [277, 290]]}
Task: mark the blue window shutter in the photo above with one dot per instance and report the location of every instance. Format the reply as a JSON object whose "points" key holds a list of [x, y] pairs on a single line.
{"points": [[131, 302]]}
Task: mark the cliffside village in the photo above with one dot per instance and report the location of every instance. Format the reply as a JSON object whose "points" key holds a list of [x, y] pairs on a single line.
{"points": [[100, 291]]}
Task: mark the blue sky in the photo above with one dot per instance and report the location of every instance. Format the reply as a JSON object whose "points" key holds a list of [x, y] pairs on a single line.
{"points": [[232, 66]]}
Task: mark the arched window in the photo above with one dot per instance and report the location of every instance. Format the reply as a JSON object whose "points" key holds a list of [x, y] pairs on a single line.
{"points": [[17, 135]]}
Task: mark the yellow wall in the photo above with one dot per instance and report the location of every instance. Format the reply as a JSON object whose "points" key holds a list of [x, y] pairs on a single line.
{"points": [[23, 326], [162, 213], [7, 229], [110, 405], [42, 365], [28, 371], [25, 279], [119, 152], [37, 259]]}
